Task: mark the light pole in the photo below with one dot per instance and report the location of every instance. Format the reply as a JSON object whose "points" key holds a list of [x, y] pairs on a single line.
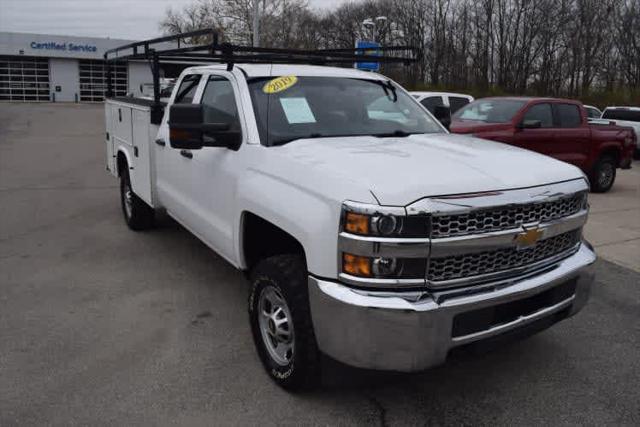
{"points": [[256, 23], [368, 24], [373, 24], [380, 22]]}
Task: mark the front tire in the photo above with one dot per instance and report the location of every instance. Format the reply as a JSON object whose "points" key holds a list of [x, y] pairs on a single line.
{"points": [[603, 175], [280, 320], [137, 214]]}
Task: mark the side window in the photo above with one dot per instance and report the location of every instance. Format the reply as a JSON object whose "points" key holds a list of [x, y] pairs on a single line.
{"points": [[219, 102], [187, 89], [457, 102], [431, 102], [622, 114], [568, 115], [593, 113], [541, 112]]}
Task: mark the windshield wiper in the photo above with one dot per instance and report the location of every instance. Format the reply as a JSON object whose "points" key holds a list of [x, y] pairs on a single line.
{"points": [[287, 140], [397, 133], [389, 89]]}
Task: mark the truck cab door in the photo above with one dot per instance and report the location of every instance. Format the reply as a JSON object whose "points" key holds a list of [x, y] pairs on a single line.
{"points": [[573, 136], [540, 139], [212, 197]]}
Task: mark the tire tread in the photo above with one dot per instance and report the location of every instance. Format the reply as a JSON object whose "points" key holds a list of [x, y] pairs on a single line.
{"points": [[289, 272]]}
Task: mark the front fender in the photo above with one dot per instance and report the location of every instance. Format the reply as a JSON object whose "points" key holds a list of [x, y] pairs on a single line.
{"points": [[309, 216]]}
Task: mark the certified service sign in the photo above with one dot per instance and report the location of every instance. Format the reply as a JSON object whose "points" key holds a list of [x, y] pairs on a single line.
{"points": [[66, 47]]}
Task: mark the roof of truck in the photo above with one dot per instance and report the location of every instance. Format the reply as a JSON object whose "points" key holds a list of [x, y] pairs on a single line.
{"points": [[266, 70], [623, 108], [531, 99], [422, 93]]}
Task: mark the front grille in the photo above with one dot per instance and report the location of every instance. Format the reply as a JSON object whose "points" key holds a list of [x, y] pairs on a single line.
{"points": [[459, 266], [505, 217]]}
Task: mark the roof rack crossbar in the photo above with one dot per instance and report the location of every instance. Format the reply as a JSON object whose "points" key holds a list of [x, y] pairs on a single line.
{"points": [[175, 49], [283, 58], [165, 39], [229, 53]]}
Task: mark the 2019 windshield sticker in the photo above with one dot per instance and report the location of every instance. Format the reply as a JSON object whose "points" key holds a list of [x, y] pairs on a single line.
{"points": [[279, 84]]}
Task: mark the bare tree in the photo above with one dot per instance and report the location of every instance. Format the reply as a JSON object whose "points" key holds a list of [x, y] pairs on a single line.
{"points": [[547, 47]]}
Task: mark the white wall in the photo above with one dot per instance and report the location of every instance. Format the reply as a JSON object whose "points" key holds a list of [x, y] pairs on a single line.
{"points": [[65, 75]]}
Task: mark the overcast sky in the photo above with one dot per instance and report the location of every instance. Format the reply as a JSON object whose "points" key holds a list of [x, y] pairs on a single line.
{"points": [[124, 19]]}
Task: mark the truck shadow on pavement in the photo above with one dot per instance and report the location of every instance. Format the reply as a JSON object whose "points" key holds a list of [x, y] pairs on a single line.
{"points": [[541, 377], [488, 359], [458, 366]]}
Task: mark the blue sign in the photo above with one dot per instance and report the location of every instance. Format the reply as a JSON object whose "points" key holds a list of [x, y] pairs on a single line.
{"points": [[70, 47], [372, 50]]}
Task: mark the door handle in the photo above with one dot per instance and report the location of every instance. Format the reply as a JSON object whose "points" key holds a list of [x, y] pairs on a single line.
{"points": [[161, 142], [186, 153]]}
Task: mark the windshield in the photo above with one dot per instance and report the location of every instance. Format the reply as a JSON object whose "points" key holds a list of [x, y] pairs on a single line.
{"points": [[622, 114], [490, 110], [289, 108]]}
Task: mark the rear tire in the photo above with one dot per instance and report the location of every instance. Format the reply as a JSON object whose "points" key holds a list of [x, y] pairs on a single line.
{"points": [[280, 320], [137, 214], [603, 175]]}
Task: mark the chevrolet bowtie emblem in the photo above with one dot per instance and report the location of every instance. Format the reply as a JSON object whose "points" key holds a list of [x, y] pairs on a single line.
{"points": [[528, 237]]}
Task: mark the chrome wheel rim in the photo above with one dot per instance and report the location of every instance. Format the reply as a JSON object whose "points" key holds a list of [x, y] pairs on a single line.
{"points": [[128, 199], [606, 175], [276, 327]]}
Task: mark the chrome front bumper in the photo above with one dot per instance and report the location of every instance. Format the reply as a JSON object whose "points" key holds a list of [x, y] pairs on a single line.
{"points": [[388, 332]]}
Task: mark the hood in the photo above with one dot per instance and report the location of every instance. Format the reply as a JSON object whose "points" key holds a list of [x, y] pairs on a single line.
{"points": [[399, 171], [471, 126]]}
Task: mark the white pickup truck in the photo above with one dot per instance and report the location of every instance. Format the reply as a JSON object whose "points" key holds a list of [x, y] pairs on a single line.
{"points": [[368, 232]]}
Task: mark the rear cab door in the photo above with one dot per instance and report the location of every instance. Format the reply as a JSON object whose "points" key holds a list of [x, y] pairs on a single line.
{"points": [[573, 135]]}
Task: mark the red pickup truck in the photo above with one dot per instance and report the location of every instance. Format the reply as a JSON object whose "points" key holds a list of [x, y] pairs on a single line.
{"points": [[555, 127]]}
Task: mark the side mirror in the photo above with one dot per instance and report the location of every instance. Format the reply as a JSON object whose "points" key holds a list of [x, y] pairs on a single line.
{"points": [[187, 129], [443, 114], [530, 124]]}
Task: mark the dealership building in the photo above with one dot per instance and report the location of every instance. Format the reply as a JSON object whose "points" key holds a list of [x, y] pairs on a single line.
{"points": [[40, 67]]}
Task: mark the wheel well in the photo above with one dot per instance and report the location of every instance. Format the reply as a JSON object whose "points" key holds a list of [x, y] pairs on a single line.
{"points": [[612, 152], [121, 163], [261, 239]]}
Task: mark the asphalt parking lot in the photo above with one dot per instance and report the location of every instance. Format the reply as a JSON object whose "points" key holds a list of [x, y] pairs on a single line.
{"points": [[103, 326]]}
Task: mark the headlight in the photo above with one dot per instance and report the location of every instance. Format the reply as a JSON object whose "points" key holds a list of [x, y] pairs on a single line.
{"points": [[383, 224], [383, 267], [366, 230]]}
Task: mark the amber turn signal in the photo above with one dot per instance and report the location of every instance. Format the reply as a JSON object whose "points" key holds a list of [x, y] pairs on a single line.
{"points": [[356, 223], [356, 265]]}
